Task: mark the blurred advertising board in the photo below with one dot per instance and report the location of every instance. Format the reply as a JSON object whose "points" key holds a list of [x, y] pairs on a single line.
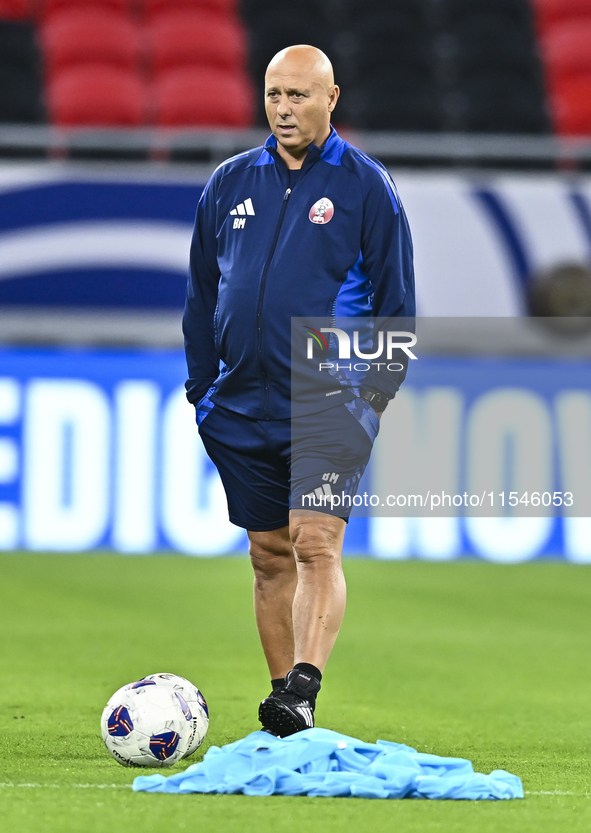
{"points": [[99, 449], [74, 235]]}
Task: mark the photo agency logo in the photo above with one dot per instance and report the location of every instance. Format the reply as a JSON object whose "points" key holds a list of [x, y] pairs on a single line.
{"points": [[383, 347]]}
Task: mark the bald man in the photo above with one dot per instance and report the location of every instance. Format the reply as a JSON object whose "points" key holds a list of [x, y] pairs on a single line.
{"points": [[305, 226]]}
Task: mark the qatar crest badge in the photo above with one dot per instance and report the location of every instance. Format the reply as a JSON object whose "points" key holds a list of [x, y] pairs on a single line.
{"points": [[322, 211]]}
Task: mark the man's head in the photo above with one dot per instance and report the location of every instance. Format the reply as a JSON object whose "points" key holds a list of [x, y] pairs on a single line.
{"points": [[300, 95]]}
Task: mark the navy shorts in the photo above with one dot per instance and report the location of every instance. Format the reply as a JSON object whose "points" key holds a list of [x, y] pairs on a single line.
{"points": [[269, 466]]}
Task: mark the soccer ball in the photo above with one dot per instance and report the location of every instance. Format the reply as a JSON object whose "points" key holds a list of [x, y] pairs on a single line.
{"points": [[197, 706], [145, 724]]}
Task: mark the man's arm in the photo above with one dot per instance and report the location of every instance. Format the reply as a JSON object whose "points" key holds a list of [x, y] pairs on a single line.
{"points": [[202, 293], [387, 252]]}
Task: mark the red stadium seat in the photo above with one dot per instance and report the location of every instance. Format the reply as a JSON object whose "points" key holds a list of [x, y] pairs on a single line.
{"points": [[550, 12], [89, 35], [95, 95], [204, 97], [566, 49], [15, 9], [47, 8], [154, 7], [199, 38], [571, 107]]}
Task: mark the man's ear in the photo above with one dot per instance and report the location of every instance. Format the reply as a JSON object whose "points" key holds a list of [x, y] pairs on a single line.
{"points": [[333, 97]]}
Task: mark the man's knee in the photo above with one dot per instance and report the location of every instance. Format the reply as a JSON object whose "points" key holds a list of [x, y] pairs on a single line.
{"points": [[318, 538], [271, 552]]}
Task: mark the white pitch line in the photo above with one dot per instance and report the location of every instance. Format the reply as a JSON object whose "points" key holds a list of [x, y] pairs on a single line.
{"points": [[555, 792], [70, 786]]}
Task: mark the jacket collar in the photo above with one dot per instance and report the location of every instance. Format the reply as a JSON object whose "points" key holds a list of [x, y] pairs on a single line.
{"points": [[328, 149]]}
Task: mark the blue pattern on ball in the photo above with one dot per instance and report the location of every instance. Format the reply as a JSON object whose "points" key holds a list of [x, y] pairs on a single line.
{"points": [[120, 723], [164, 745], [184, 706], [202, 703]]}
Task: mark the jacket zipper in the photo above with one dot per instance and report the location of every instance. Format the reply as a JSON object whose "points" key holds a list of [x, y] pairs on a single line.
{"points": [[260, 302]]}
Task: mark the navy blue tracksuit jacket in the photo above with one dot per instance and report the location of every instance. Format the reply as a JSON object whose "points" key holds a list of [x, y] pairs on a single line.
{"points": [[263, 253]]}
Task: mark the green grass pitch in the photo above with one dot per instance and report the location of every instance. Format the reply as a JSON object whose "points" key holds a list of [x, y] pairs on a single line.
{"points": [[477, 660]]}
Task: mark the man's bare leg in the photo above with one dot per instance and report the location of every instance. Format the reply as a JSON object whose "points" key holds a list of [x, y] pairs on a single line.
{"points": [[299, 590], [321, 594], [317, 610], [275, 580]]}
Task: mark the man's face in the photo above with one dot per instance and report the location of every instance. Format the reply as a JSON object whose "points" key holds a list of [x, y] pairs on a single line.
{"points": [[298, 106]]}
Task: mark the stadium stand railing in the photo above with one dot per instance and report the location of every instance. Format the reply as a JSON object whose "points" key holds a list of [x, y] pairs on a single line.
{"points": [[212, 146]]}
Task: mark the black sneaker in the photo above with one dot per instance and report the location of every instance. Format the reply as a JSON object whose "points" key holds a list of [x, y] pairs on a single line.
{"points": [[291, 709]]}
